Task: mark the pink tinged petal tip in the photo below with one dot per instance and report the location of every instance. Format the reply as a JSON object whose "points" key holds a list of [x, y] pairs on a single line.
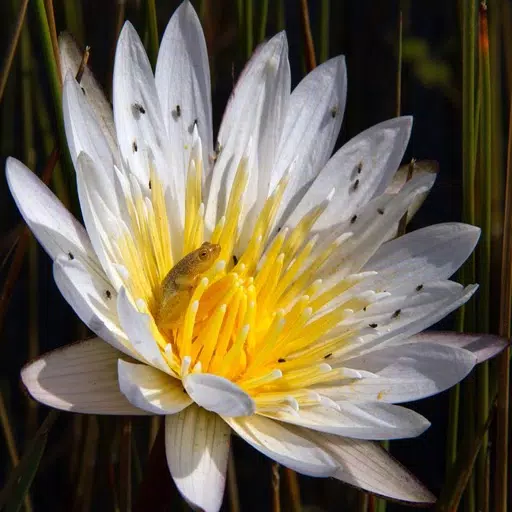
{"points": [[483, 346]]}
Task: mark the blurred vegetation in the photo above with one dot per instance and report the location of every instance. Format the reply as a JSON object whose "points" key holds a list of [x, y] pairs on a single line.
{"points": [[447, 63]]}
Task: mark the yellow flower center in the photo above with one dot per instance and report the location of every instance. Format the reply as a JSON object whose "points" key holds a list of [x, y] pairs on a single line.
{"points": [[262, 318]]}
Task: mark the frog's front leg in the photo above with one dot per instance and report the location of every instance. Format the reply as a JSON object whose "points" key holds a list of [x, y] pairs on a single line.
{"points": [[172, 307], [186, 282]]}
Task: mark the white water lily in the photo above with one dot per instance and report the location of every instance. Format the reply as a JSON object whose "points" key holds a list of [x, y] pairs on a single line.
{"points": [[303, 335]]}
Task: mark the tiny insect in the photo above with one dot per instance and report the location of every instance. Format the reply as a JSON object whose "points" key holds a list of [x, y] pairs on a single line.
{"points": [[334, 111], [137, 107]]}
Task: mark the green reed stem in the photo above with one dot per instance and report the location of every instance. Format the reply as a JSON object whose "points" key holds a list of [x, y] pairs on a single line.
{"points": [[52, 71], [502, 410], [280, 17], [249, 23], [465, 319], [325, 14], [263, 20], [484, 251], [234, 498], [12, 47], [74, 20], [153, 31]]}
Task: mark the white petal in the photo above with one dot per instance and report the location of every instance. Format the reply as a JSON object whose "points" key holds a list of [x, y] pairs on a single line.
{"points": [[70, 60], [405, 373], [359, 420], [357, 172], [93, 299], [182, 78], [366, 465], [219, 395], [150, 389], [370, 228], [197, 448], [441, 299], [81, 377], [141, 331], [55, 228], [255, 114], [483, 346], [101, 222], [284, 444], [138, 118], [84, 134], [311, 127], [428, 254]]}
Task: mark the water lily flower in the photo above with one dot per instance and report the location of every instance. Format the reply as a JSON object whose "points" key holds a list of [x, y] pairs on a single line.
{"points": [[301, 331]]}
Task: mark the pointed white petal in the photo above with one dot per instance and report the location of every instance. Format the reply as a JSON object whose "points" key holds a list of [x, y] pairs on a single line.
{"points": [[219, 395], [359, 420], [182, 79], [102, 224], [93, 299], [140, 127], [150, 389], [366, 465], [197, 448], [84, 134], [254, 117], [141, 332], [311, 127], [483, 346], [81, 377], [405, 373], [284, 444], [369, 228], [440, 300], [70, 60], [55, 228], [428, 254], [357, 172]]}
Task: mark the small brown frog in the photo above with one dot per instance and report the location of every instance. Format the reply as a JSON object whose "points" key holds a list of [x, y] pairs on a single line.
{"points": [[178, 285]]}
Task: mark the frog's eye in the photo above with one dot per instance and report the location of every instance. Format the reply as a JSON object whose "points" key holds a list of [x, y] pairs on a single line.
{"points": [[203, 254]]}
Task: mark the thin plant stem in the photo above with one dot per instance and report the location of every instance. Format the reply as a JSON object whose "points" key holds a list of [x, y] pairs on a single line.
{"points": [[125, 465], [89, 456], [30, 160], [11, 50], [263, 20], [8, 434], [153, 31], [50, 16], [502, 411], [308, 38], [234, 498], [52, 70], [240, 13], [292, 482], [325, 14], [276, 487], [249, 37], [74, 19], [399, 67], [484, 249], [280, 17]]}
